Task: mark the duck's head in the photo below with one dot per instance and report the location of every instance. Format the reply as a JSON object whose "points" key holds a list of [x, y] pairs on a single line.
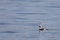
{"points": [[40, 26]]}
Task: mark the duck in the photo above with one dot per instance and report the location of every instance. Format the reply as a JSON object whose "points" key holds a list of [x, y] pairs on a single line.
{"points": [[41, 28]]}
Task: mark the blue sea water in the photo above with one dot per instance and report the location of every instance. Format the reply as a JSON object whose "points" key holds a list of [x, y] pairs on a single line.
{"points": [[19, 19]]}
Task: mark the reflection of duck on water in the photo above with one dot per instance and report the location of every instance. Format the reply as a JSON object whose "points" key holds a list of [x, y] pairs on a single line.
{"points": [[42, 28]]}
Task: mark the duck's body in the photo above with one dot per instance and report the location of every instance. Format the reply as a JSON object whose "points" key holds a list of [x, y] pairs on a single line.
{"points": [[41, 28]]}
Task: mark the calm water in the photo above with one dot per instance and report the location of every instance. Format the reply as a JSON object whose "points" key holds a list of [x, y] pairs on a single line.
{"points": [[19, 19]]}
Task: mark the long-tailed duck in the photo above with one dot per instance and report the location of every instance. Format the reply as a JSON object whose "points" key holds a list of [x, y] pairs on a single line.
{"points": [[42, 28]]}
